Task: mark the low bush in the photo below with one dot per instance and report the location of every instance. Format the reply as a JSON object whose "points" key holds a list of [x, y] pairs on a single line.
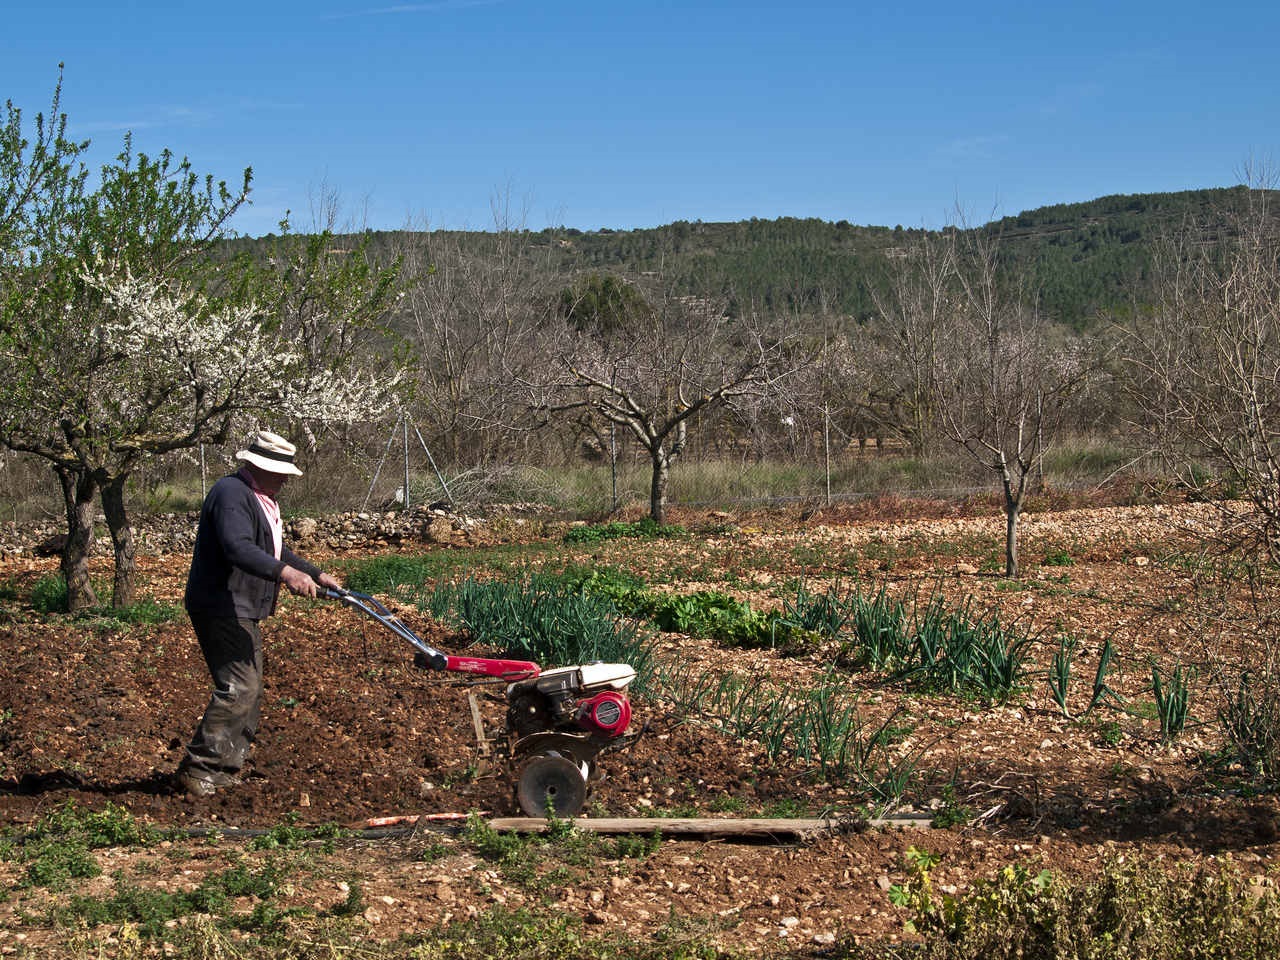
{"points": [[1250, 719], [49, 594], [1135, 911], [647, 529]]}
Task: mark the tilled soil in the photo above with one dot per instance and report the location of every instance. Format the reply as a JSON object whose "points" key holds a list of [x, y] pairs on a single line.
{"points": [[353, 734]]}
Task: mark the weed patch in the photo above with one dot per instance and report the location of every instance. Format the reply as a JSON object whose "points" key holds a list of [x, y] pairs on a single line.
{"points": [[151, 910], [646, 529], [1139, 911], [49, 594], [58, 848]]}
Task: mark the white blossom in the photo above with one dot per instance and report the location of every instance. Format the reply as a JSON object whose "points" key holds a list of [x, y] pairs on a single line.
{"points": [[182, 358]]}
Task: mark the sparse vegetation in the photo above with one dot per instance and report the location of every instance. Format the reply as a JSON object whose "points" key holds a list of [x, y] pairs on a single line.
{"points": [[1135, 910]]}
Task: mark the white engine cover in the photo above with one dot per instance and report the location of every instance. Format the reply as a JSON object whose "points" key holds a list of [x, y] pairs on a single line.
{"points": [[606, 676], [594, 677]]}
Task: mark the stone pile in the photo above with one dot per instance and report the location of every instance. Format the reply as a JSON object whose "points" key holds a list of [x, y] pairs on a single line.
{"points": [[176, 532]]}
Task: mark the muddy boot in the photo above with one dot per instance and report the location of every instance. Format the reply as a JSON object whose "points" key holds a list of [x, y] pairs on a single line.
{"points": [[194, 783]]}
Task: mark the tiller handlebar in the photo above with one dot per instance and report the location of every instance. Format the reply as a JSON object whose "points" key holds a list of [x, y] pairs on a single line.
{"points": [[508, 670]]}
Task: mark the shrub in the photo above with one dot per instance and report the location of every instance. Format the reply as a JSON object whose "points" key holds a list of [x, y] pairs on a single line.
{"points": [[49, 594], [1137, 911], [648, 529], [1250, 719]]}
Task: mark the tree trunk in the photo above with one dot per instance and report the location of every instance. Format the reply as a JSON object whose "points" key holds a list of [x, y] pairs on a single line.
{"points": [[78, 489], [1011, 542], [122, 592], [658, 484], [1013, 500]]}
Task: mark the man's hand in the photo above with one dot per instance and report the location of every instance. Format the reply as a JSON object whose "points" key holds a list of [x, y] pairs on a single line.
{"points": [[330, 581], [299, 583]]}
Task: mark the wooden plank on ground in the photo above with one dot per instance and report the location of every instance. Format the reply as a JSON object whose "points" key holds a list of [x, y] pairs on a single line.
{"points": [[761, 827]]}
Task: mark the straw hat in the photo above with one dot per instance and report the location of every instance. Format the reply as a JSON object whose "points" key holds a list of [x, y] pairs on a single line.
{"points": [[272, 453]]}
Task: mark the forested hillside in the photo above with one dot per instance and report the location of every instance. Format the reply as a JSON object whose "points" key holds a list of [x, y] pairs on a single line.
{"points": [[1081, 258]]}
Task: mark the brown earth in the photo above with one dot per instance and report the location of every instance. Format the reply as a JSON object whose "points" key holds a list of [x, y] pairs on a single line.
{"points": [[97, 712]]}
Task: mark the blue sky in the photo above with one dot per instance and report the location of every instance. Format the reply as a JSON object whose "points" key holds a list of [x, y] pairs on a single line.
{"points": [[602, 114]]}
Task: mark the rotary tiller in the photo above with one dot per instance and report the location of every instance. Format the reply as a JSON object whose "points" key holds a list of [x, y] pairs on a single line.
{"points": [[557, 721]]}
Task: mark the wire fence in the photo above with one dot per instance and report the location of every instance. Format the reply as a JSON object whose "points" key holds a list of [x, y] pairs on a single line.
{"points": [[400, 471]]}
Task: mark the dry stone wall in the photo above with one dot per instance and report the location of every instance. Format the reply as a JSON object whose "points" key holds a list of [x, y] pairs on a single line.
{"points": [[176, 532]]}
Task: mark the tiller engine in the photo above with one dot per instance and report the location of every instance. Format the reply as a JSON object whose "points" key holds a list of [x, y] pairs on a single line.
{"points": [[557, 721]]}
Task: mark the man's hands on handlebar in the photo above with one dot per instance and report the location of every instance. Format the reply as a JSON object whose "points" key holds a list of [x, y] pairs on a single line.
{"points": [[300, 584]]}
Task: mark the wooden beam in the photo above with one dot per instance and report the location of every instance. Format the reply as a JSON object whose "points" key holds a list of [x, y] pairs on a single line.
{"points": [[759, 828]]}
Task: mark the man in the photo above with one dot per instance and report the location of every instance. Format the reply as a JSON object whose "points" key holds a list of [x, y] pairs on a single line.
{"points": [[237, 567]]}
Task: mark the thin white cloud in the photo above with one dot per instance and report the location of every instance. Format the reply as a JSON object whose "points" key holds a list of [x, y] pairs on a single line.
{"points": [[972, 148], [1071, 98], [159, 117], [438, 6]]}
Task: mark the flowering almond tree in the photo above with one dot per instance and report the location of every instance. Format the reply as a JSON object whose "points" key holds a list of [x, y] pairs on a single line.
{"points": [[163, 369], [125, 335]]}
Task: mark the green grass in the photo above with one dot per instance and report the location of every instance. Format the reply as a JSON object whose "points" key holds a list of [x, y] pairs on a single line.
{"points": [[387, 573], [49, 594], [48, 597]]}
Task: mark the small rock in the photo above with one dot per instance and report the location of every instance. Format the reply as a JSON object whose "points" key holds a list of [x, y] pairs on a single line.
{"points": [[304, 529], [437, 530]]}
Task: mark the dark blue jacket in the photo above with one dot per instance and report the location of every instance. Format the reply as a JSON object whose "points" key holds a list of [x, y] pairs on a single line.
{"points": [[234, 572]]}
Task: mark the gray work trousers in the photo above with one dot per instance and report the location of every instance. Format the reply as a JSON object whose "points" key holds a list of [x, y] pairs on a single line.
{"points": [[232, 650]]}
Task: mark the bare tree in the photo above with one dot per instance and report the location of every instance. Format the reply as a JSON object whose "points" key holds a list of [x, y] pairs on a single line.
{"points": [[472, 316], [896, 354], [652, 369], [1002, 379], [125, 337], [1204, 366]]}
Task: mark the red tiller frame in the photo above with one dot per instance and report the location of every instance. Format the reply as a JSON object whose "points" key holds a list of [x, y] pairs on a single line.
{"points": [[499, 669]]}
